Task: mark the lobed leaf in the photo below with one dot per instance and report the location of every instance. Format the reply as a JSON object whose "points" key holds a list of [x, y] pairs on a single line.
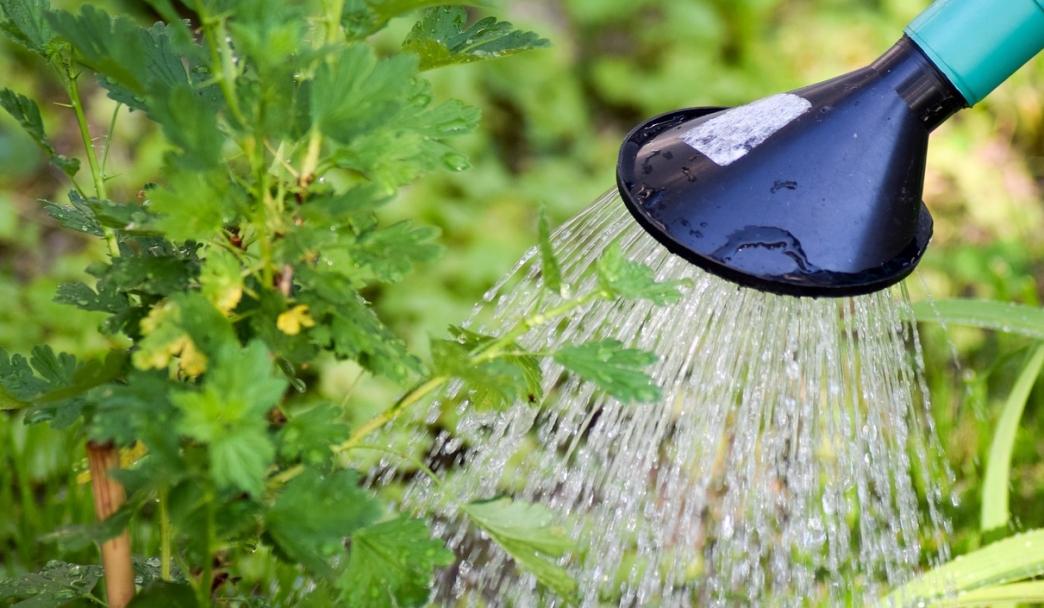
{"points": [[527, 533], [56, 585], [77, 216], [26, 24], [346, 325], [308, 435], [493, 383], [441, 38], [27, 113], [315, 512], [391, 252], [391, 564], [613, 368], [620, 277]]}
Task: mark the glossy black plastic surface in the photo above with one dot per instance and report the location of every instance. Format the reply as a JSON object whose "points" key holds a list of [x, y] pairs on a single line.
{"points": [[828, 204]]}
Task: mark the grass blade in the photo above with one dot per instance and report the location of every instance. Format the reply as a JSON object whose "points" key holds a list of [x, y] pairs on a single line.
{"points": [[998, 464], [987, 314], [1002, 595], [1006, 561]]}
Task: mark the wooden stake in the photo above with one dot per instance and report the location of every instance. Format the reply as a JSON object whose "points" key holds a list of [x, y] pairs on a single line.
{"points": [[108, 496]]}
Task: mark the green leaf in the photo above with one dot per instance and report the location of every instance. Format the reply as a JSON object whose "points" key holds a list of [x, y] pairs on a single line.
{"points": [[18, 379], [56, 585], [613, 368], [997, 479], [164, 594], [138, 408], [79, 216], [110, 45], [315, 512], [391, 564], [356, 93], [346, 325], [80, 536], [493, 383], [527, 533], [189, 120], [26, 24], [392, 251], [376, 115], [221, 280], [131, 57], [987, 314], [364, 17], [229, 414], [126, 217], [623, 278], [1006, 561], [550, 269], [27, 113], [308, 435], [440, 38], [196, 205], [527, 364]]}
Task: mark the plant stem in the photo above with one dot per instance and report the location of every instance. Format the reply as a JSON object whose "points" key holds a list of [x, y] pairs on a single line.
{"points": [[92, 159], [416, 394], [166, 535], [206, 583], [483, 354], [311, 159], [108, 497], [495, 348], [334, 9]]}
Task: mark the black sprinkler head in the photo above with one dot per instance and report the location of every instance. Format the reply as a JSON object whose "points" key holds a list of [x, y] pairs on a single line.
{"points": [[816, 192]]}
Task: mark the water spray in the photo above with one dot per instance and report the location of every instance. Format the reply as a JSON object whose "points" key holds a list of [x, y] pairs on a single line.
{"points": [[817, 192], [777, 467]]}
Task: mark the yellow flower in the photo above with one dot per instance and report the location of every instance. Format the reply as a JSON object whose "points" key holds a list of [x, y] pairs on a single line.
{"points": [[291, 321]]}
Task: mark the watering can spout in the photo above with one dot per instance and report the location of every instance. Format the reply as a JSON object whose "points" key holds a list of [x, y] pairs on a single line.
{"points": [[817, 192]]}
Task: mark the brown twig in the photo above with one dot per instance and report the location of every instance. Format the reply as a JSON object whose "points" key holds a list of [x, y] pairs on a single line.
{"points": [[108, 497]]}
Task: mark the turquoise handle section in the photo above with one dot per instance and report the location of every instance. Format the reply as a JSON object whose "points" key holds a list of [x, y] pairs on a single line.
{"points": [[978, 44]]}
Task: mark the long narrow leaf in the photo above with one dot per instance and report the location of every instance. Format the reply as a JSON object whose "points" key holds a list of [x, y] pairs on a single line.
{"points": [[988, 314], [998, 465], [1017, 593], [1006, 561]]}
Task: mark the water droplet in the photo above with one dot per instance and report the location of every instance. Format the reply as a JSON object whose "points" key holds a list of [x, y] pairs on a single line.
{"points": [[455, 161]]}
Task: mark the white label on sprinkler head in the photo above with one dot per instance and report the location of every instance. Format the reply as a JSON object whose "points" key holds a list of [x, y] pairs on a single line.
{"points": [[726, 138]]}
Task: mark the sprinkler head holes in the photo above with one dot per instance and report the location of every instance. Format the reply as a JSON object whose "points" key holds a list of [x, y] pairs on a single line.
{"points": [[816, 192]]}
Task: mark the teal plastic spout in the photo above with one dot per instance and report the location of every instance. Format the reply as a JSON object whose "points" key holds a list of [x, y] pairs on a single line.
{"points": [[978, 44]]}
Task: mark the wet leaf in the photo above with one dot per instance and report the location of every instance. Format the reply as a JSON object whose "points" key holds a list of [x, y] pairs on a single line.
{"points": [[526, 531], [1006, 561], [441, 38], [613, 368], [1008, 317], [620, 277], [550, 269], [76, 216], [56, 585], [493, 383], [391, 564]]}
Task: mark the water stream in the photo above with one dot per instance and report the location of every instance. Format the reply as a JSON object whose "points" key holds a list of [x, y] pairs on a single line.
{"points": [[779, 468]]}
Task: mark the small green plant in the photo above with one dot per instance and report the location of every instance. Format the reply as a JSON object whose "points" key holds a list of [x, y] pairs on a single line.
{"points": [[238, 268]]}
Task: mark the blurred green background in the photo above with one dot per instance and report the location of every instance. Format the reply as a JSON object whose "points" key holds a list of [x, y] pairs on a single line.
{"points": [[552, 123]]}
